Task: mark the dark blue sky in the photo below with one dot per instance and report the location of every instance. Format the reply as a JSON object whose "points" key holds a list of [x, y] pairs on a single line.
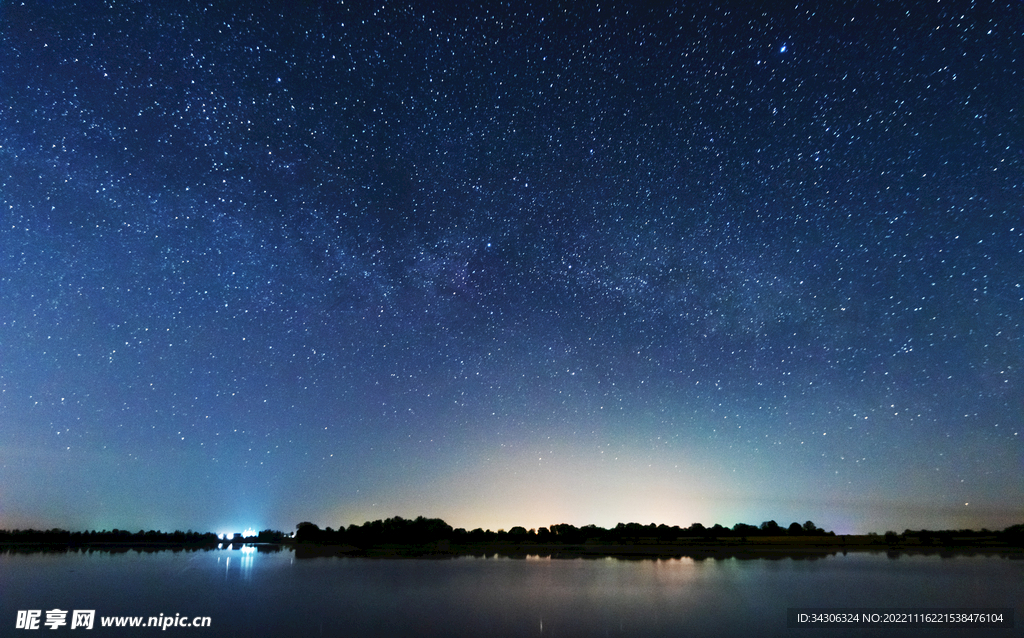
{"points": [[679, 264]]}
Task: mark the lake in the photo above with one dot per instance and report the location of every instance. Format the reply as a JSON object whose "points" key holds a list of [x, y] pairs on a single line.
{"points": [[245, 592]]}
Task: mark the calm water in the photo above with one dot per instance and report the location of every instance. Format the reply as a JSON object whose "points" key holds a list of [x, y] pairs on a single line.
{"points": [[249, 593]]}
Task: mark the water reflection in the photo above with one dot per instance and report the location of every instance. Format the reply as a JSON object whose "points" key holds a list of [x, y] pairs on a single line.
{"points": [[529, 595], [245, 558], [303, 551], [248, 554]]}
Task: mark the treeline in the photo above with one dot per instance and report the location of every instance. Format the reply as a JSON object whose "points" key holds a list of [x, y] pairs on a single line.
{"points": [[1013, 535], [424, 531], [396, 530], [64, 537], [421, 531]]}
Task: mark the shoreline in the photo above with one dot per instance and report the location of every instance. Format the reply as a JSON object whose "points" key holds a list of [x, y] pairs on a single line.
{"points": [[699, 549], [668, 550]]}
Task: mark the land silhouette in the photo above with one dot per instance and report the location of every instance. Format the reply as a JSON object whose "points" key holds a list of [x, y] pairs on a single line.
{"points": [[116, 537], [421, 536]]}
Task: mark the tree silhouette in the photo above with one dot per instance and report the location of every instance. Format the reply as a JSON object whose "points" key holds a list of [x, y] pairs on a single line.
{"points": [[306, 532]]}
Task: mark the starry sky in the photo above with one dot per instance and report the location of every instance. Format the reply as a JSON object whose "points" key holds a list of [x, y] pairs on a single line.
{"points": [[511, 265]]}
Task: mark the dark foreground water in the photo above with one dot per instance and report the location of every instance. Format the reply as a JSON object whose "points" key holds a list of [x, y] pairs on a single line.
{"points": [[255, 593]]}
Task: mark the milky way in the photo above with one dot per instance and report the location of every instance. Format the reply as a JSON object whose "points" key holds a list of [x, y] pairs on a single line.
{"points": [[313, 262]]}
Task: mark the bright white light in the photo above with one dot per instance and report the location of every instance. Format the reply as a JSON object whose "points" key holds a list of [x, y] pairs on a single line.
{"points": [[248, 533]]}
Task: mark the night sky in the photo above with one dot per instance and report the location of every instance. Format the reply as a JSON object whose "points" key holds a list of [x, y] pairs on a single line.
{"points": [[511, 266]]}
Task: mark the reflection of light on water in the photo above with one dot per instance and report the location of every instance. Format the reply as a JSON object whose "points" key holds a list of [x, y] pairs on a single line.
{"points": [[248, 554], [247, 558]]}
